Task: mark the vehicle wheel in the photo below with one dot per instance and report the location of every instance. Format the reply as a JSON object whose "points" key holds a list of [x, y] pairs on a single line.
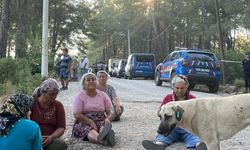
{"points": [[171, 80], [213, 88], [130, 76], [158, 82]]}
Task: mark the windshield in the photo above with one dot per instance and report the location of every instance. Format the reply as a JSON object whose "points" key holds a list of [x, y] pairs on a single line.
{"points": [[144, 58], [202, 56]]}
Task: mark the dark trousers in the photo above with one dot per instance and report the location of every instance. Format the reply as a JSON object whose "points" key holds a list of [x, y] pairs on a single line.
{"points": [[247, 79]]}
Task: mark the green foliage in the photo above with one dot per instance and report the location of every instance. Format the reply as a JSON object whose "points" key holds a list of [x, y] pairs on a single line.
{"points": [[239, 83], [15, 76], [233, 70]]}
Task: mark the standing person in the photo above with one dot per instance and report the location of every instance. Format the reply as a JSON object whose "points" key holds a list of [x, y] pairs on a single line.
{"points": [[84, 65], [65, 69], [92, 112], [49, 114], [57, 64], [74, 69], [180, 92], [246, 69], [16, 130], [108, 89]]}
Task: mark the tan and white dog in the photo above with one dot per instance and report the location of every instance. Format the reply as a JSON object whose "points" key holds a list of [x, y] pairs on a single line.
{"points": [[211, 119]]}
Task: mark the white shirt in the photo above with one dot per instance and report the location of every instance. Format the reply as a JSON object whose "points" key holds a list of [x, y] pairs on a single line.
{"points": [[84, 62]]}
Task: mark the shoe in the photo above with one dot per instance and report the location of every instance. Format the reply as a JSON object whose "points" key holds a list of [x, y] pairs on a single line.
{"points": [[65, 88], [106, 129], [201, 146], [111, 138], [150, 145], [62, 88]]}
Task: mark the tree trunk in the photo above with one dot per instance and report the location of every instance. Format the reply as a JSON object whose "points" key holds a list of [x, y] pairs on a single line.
{"points": [[22, 26], [4, 26]]}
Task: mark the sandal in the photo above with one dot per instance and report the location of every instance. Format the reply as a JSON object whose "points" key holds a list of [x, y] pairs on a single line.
{"points": [[106, 129], [111, 138], [150, 145], [201, 146]]}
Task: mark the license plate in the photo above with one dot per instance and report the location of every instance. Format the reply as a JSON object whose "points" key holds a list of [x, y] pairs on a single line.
{"points": [[202, 70]]}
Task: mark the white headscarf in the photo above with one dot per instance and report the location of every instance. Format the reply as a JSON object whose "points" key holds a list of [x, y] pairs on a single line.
{"points": [[84, 77]]}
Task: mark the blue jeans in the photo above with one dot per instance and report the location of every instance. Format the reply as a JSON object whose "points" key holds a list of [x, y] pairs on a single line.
{"points": [[179, 134]]}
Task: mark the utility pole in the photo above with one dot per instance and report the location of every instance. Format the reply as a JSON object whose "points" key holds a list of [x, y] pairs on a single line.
{"points": [[44, 68], [129, 49], [220, 42]]}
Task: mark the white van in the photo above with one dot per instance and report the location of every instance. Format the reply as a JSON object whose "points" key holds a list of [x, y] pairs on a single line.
{"points": [[113, 66]]}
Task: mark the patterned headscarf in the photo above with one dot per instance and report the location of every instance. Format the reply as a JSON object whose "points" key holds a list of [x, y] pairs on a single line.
{"points": [[49, 84], [14, 108]]}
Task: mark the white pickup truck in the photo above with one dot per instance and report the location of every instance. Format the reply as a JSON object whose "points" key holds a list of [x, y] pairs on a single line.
{"points": [[113, 66]]}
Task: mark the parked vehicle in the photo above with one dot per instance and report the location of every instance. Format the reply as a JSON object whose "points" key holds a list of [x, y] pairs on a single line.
{"points": [[121, 68], [140, 65], [200, 66], [113, 66]]}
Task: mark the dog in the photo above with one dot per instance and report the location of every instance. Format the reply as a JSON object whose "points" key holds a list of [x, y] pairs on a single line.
{"points": [[211, 119]]}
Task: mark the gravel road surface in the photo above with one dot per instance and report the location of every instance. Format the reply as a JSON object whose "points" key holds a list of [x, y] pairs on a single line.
{"points": [[141, 99]]}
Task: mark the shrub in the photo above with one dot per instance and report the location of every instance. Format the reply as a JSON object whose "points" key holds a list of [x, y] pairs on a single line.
{"points": [[15, 76], [239, 83]]}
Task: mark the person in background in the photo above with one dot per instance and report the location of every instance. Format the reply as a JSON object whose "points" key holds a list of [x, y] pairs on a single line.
{"points": [[74, 69], [57, 64], [180, 92], [16, 130], [110, 91], [92, 112], [246, 70], [84, 65], [49, 114], [65, 69]]}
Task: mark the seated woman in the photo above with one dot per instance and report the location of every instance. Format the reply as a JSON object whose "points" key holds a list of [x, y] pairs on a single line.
{"points": [[92, 112], [49, 114], [103, 86], [16, 131], [180, 93]]}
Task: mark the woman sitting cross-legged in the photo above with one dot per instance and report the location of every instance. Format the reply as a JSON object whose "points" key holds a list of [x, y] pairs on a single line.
{"points": [[92, 112], [102, 77], [180, 93], [50, 115]]}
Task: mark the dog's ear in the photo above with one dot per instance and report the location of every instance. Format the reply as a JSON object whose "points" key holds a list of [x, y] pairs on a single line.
{"points": [[178, 112]]}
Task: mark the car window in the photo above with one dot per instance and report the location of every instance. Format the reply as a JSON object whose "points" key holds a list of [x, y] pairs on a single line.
{"points": [[144, 58], [173, 56], [201, 56], [167, 58], [179, 55]]}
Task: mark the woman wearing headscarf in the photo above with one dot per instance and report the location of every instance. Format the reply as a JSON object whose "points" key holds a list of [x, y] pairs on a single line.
{"points": [[50, 115], [110, 91], [92, 112], [180, 92], [16, 130]]}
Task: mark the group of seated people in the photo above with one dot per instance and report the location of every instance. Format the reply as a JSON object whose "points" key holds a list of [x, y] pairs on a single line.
{"points": [[38, 122]]}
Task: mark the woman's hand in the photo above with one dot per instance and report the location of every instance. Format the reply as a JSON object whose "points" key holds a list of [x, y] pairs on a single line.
{"points": [[107, 120], [93, 125], [46, 140]]}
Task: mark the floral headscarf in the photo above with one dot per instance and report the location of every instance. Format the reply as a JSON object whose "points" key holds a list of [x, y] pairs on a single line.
{"points": [[14, 108], [49, 84]]}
